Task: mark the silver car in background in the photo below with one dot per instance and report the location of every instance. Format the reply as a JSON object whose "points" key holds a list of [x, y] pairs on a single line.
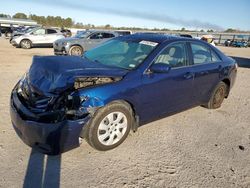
{"points": [[37, 37], [82, 42]]}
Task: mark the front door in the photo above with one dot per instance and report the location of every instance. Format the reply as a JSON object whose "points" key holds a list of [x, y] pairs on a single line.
{"points": [[166, 93], [38, 36]]}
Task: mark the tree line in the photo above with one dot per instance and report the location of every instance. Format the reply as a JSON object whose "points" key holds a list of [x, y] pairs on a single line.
{"points": [[58, 21]]}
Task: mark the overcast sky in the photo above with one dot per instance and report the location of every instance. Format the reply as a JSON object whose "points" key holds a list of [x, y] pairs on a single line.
{"points": [[173, 14]]}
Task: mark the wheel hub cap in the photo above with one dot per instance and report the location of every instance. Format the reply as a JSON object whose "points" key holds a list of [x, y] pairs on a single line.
{"points": [[112, 128]]}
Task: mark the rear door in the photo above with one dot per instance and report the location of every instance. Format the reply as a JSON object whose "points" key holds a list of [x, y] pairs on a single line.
{"points": [[51, 36], [207, 67]]}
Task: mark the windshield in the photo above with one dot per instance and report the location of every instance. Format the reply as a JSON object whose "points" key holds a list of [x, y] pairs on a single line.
{"points": [[82, 34], [29, 29], [123, 54]]}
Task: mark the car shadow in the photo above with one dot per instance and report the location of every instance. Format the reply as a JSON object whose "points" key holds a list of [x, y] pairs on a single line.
{"points": [[42, 171], [242, 62]]}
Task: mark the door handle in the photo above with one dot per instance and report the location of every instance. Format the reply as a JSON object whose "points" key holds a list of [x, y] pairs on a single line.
{"points": [[188, 75]]}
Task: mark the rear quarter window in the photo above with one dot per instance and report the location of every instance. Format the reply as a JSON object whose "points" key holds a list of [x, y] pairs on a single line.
{"points": [[51, 31]]}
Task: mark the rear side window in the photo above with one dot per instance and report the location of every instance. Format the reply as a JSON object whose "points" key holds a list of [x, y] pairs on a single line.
{"points": [[51, 31], [174, 55], [123, 33], [108, 35], [215, 57], [203, 54]]}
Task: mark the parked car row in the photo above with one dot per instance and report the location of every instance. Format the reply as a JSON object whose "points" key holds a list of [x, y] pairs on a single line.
{"points": [[236, 43], [61, 40]]}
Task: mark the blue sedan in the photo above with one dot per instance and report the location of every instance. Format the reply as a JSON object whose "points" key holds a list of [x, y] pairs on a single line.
{"points": [[114, 88]]}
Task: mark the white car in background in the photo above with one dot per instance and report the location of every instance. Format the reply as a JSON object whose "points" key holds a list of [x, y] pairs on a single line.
{"points": [[37, 37]]}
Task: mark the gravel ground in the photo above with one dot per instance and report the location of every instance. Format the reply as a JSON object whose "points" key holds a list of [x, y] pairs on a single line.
{"points": [[195, 148]]}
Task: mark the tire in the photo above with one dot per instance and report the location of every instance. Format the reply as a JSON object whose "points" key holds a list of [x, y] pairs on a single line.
{"points": [[8, 34], [26, 44], [76, 51], [105, 131], [217, 97]]}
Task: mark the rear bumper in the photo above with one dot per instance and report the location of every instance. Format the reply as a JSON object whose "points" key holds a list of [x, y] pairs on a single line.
{"points": [[48, 138]]}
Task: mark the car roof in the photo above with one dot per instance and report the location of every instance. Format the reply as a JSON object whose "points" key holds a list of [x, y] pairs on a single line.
{"points": [[154, 37], [97, 30]]}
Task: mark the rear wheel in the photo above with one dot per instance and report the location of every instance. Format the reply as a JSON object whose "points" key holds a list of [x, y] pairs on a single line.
{"points": [[26, 44], [76, 51], [110, 126], [218, 96]]}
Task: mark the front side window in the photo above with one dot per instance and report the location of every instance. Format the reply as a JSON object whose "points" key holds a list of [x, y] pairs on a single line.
{"points": [[203, 54], [120, 53], [39, 32], [174, 55], [82, 34]]}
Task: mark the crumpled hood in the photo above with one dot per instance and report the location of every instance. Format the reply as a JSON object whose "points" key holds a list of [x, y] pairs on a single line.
{"points": [[54, 74]]}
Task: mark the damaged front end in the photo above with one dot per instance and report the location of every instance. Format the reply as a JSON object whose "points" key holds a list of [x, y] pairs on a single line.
{"points": [[51, 119], [49, 107], [45, 122]]}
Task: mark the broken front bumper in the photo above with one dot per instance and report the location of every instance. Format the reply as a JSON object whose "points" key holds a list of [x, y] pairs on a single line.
{"points": [[14, 43], [60, 52], [59, 49], [48, 138]]}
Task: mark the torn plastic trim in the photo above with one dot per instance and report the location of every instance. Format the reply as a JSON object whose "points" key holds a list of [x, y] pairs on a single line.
{"points": [[83, 82], [88, 106], [91, 105]]}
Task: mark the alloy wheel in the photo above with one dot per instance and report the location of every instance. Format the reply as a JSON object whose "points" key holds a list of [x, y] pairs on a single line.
{"points": [[112, 128]]}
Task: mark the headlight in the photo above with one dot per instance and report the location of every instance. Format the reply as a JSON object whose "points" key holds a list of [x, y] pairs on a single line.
{"points": [[14, 38], [20, 83], [64, 43], [83, 82]]}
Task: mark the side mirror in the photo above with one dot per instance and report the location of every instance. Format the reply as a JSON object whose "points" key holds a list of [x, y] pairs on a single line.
{"points": [[160, 68]]}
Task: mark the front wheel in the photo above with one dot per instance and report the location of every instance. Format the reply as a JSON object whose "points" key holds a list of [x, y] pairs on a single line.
{"points": [[218, 96], [76, 51], [110, 126], [25, 44]]}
